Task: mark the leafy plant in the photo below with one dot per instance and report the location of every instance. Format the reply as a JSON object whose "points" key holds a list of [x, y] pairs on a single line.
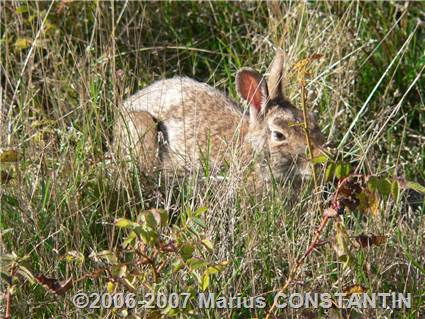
{"points": [[152, 256]]}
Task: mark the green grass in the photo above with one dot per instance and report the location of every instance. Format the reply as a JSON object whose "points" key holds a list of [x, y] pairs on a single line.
{"points": [[64, 71]]}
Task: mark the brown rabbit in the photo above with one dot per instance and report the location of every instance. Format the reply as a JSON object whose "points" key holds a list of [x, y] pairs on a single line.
{"points": [[196, 122]]}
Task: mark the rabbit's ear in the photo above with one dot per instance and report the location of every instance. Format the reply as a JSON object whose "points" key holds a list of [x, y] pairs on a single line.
{"points": [[252, 87], [274, 83]]}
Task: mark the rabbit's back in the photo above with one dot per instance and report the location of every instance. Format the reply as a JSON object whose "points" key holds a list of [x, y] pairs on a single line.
{"points": [[164, 96], [197, 121]]}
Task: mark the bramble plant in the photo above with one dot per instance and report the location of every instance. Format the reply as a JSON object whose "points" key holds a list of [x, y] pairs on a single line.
{"points": [[151, 257]]}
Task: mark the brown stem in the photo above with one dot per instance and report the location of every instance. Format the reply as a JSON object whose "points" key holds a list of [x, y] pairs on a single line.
{"points": [[155, 273], [300, 262], [316, 238], [151, 262], [306, 127], [8, 302], [334, 205]]}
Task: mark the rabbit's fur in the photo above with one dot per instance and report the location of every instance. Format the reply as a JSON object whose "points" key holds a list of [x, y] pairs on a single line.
{"points": [[195, 121]]}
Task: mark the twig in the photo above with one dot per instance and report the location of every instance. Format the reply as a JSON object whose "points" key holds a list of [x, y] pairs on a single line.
{"points": [[316, 238], [8, 302], [335, 208], [300, 262], [302, 68], [152, 263], [8, 294], [306, 129]]}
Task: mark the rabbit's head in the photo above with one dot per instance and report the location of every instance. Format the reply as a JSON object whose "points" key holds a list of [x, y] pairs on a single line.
{"points": [[276, 128]]}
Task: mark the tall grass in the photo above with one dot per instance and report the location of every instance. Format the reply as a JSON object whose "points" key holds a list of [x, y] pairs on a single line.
{"points": [[65, 68]]}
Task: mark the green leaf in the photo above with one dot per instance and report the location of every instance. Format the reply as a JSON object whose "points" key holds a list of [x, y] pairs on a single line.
{"points": [[186, 251], [338, 170], [342, 170], [205, 281], [124, 223], [149, 236], [74, 255], [208, 244], [415, 186], [368, 202], [110, 287], [346, 169], [196, 263], [170, 311], [372, 183], [395, 190], [150, 219], [128, 284], [21, 9], [214, 269], [330, 172], [199, 222], [189, 213], [6, 231], [321, 159], [109, 256], [177, 265], [384, 187], [130, 238], [119, 270], [154, 217], [200, 211], [163, 217], [183, 219]]}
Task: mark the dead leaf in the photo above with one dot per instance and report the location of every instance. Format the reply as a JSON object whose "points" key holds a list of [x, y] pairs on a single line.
{"points": [[54, 285], [349, 190], [316, 56], [5, 177], [300, 65], [8, 155], [367, 241], [342, 244], [22, 43], [369, 202], [354, 289]]}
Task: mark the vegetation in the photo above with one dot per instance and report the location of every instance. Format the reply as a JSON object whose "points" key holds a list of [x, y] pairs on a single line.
{"points": [[76, 219]]}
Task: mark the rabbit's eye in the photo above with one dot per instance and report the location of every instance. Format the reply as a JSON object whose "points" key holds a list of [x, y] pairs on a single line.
{"points": [[277, 136]]}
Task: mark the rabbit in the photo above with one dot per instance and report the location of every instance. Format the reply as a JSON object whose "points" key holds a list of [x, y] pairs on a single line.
{"points": [[195, 121], [135, 136]]}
